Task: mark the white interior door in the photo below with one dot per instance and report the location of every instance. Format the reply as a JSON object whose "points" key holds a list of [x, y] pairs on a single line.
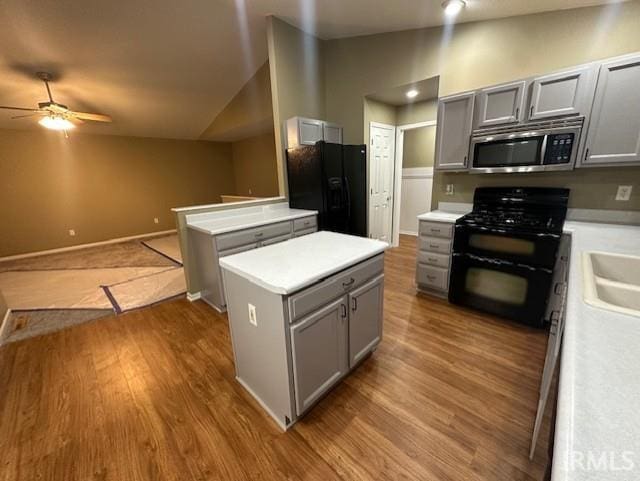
{"points": [[381, 180]]}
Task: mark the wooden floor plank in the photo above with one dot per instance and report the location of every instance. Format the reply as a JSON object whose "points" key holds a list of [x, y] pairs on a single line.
{"points": [[450, 394]]}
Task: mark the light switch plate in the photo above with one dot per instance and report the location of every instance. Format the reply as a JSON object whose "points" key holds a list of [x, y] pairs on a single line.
{"points": [[624, 192], [252, 315]]}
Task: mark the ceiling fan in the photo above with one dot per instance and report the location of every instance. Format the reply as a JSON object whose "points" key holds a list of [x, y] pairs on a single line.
{"points": [[56, 116]]}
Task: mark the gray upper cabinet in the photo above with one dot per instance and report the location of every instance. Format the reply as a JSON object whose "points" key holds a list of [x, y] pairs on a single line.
{"points": [[303, 131], [500, 105], [319, 352], [562, 94], [613, 136], [455, 120], [365, 319], [332, 133]]}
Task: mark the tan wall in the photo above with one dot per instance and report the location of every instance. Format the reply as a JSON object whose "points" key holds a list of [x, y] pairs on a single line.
{"points": [[418, 149], [296, 72], [479, 54], [102, 186], [255, 166], [418, 112], [249, 112]]}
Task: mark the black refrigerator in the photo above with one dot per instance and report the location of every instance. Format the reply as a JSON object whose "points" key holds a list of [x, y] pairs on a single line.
{"points": [[330, 178]]}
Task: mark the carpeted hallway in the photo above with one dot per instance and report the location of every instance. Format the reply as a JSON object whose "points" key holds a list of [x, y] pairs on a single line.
{"points": [[51, 292]]}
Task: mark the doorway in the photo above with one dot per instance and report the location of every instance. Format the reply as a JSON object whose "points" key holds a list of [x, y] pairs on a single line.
{"points": [[381, 180]]}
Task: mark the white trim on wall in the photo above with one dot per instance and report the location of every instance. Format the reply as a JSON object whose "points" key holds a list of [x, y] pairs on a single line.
{"points": [[84, 246], [399, 174], [5, 323]]}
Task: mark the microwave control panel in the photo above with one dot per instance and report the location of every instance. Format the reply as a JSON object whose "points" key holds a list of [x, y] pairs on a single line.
{"points": [[559, 148]]}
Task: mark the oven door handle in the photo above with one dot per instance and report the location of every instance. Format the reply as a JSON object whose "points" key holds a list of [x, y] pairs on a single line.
{"points": [[493, 230]]}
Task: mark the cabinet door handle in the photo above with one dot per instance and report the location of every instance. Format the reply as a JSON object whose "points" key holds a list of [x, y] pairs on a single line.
{"points": [[517, 113], [586, 154], [465, 160], [344, 310], [354, 306], [348, 284]]}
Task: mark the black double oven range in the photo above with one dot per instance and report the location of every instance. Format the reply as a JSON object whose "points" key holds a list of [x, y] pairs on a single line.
{"points": [[504, 251]]}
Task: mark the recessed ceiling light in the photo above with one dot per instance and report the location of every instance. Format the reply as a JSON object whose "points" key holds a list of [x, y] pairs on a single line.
{"points": [[453, 7], [412, 93], [54, 122]]}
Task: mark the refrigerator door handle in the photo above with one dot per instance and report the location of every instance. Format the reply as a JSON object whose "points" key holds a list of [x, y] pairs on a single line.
{"points": [[348, 197]]}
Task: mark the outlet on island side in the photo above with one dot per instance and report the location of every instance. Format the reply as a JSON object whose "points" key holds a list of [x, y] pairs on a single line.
{"points": [[252, 315]]}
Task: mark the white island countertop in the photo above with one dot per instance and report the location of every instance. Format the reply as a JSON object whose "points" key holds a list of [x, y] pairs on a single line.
{"points": [[223, 221], [289, 266]]}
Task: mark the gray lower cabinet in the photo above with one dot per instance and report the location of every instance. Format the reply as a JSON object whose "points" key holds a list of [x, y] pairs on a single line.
{"points": [[208, 249], [613, 135], [319, 352], [365, 319], [555, 315], [300, 345]]}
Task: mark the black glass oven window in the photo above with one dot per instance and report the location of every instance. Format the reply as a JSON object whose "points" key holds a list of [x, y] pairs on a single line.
{"points": [[508, 152], [498, 286]]}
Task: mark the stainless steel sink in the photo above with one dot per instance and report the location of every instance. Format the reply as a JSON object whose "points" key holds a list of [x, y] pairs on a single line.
{"points": [[612, 281]]}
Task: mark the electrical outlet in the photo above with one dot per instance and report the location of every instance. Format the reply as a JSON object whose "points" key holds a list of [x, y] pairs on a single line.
{"points": [[156, 220], [72, 232], [250, 192], [252, 315], [450, 190], [624, 192]]}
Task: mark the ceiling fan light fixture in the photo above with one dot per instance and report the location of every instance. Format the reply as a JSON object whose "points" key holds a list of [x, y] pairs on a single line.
{"points": [[54, 122]]}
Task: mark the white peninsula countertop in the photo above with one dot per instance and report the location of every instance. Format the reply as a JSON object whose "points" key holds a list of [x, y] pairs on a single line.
{"points": [[440, 216], [291, 265], [223, 221], [598, 419]]}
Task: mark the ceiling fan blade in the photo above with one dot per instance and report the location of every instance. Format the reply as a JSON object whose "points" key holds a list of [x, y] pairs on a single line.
{"points": [[76, 120], [19, 108], [94, 117], [35, 114]]}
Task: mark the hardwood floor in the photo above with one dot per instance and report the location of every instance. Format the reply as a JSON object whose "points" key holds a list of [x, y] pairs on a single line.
{"points": [[150, 395]]}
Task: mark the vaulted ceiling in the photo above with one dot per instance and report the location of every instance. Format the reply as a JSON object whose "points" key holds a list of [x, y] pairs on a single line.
{"points": [[164, 68]]}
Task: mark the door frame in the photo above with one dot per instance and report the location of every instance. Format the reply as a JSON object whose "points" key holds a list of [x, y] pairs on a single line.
{"points": [[397, 187], [369, 177]]}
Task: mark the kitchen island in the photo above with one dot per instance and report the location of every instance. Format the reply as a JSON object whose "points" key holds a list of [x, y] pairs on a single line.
{"points": [[303, 313]]}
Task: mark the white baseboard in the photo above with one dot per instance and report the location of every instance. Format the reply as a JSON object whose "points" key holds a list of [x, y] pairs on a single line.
{"points": [[194, 297], [261, 402], [5, 323], [84, 246], [408, 232], [221, 311]]}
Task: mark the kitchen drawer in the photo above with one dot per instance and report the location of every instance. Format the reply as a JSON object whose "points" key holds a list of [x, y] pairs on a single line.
{"points": [[300, 233], [436, 229], [432, 277], [324, 292], [275, 240], [305, 223], [237, 250], [434, 244], [433, 259], [247, 236]]}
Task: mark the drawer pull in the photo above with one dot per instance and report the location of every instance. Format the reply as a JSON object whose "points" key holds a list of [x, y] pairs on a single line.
{"points": [[259, 234], [306, 222], [431, 259], [431, 278], [348, 284], [434, 246], [436, 231]]}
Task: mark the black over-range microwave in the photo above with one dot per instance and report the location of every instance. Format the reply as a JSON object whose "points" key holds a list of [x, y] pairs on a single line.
{"points": [[532, 147]]}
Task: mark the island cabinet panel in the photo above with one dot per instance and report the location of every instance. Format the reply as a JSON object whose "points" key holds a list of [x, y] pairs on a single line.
{"points": [[365, 319], [291, 348], [319, 352]]}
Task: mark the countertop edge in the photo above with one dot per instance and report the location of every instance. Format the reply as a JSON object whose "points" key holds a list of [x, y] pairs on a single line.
{"points": [[292, 289], [224, 230]]}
